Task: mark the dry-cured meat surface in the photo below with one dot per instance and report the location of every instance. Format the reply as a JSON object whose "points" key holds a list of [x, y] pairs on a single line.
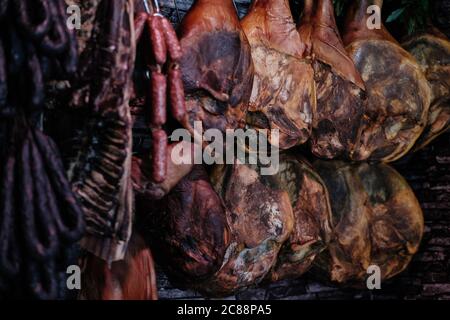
{"points": [[377, 220], [219, 240], [312, 218], [258, 226], [132, 278], [187, 229], [283, 96], [340, 90], [101, 175], [216, 65], [432, 51], [398, 92]]}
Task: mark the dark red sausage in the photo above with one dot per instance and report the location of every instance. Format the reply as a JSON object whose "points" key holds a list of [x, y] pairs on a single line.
{"points": [[157, 39], [159, 155], [172, 42], [159, 99], [177, 99], [139, 24]]}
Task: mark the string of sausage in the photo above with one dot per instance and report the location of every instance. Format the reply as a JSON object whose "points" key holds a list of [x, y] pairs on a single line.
{"points": [[164, 45], [39, 215], [37, 43], [48, 215]]}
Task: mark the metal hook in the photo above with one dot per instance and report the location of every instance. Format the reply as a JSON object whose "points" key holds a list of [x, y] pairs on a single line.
{"points": [[153, 9], [177, 11], [146, 6], [235, 7], [156, 5]]}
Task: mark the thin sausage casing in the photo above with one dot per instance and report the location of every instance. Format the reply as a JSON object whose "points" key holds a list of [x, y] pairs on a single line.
{"points": [[139, 24], [157, 39], [159, 154], [172, 42], [159, 99], [177, 98]]}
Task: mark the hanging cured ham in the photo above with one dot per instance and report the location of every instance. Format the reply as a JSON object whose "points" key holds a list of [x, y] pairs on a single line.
{"points": [[340, 89], [398, 92], [223, 239], [187, 229], [259, 225], [312, 218], [432, 51], [377, 220], [216, 65], [283, 95]]}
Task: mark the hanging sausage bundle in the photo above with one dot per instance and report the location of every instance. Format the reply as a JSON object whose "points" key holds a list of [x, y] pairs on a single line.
{"points": [[398, 92], [40, 218], [431, 49], [164, 53], [339, 88], [283, 96]]}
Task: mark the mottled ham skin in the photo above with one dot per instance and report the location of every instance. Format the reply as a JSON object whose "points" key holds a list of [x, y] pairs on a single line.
{"points": [[187, 229], [432, 51], [283, 95], [377, 220], [312, 218], [216, 65], [215, 236], [340, 91], [398, 92], [260, 218]]}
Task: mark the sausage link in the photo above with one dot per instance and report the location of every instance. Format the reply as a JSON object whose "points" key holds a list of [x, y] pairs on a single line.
{"points": [[172, 42], [157, 39], [9, 255], [42, 279], [56, 40], [60, 183], [35, 72], [159, 99], [139, 24], [42, 219], [177, 98], [69, 222], [40, 245], [27, 17], [159, 154]]}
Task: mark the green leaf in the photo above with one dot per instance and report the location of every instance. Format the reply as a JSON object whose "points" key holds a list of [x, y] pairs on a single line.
{"points": [[394, 15]]}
